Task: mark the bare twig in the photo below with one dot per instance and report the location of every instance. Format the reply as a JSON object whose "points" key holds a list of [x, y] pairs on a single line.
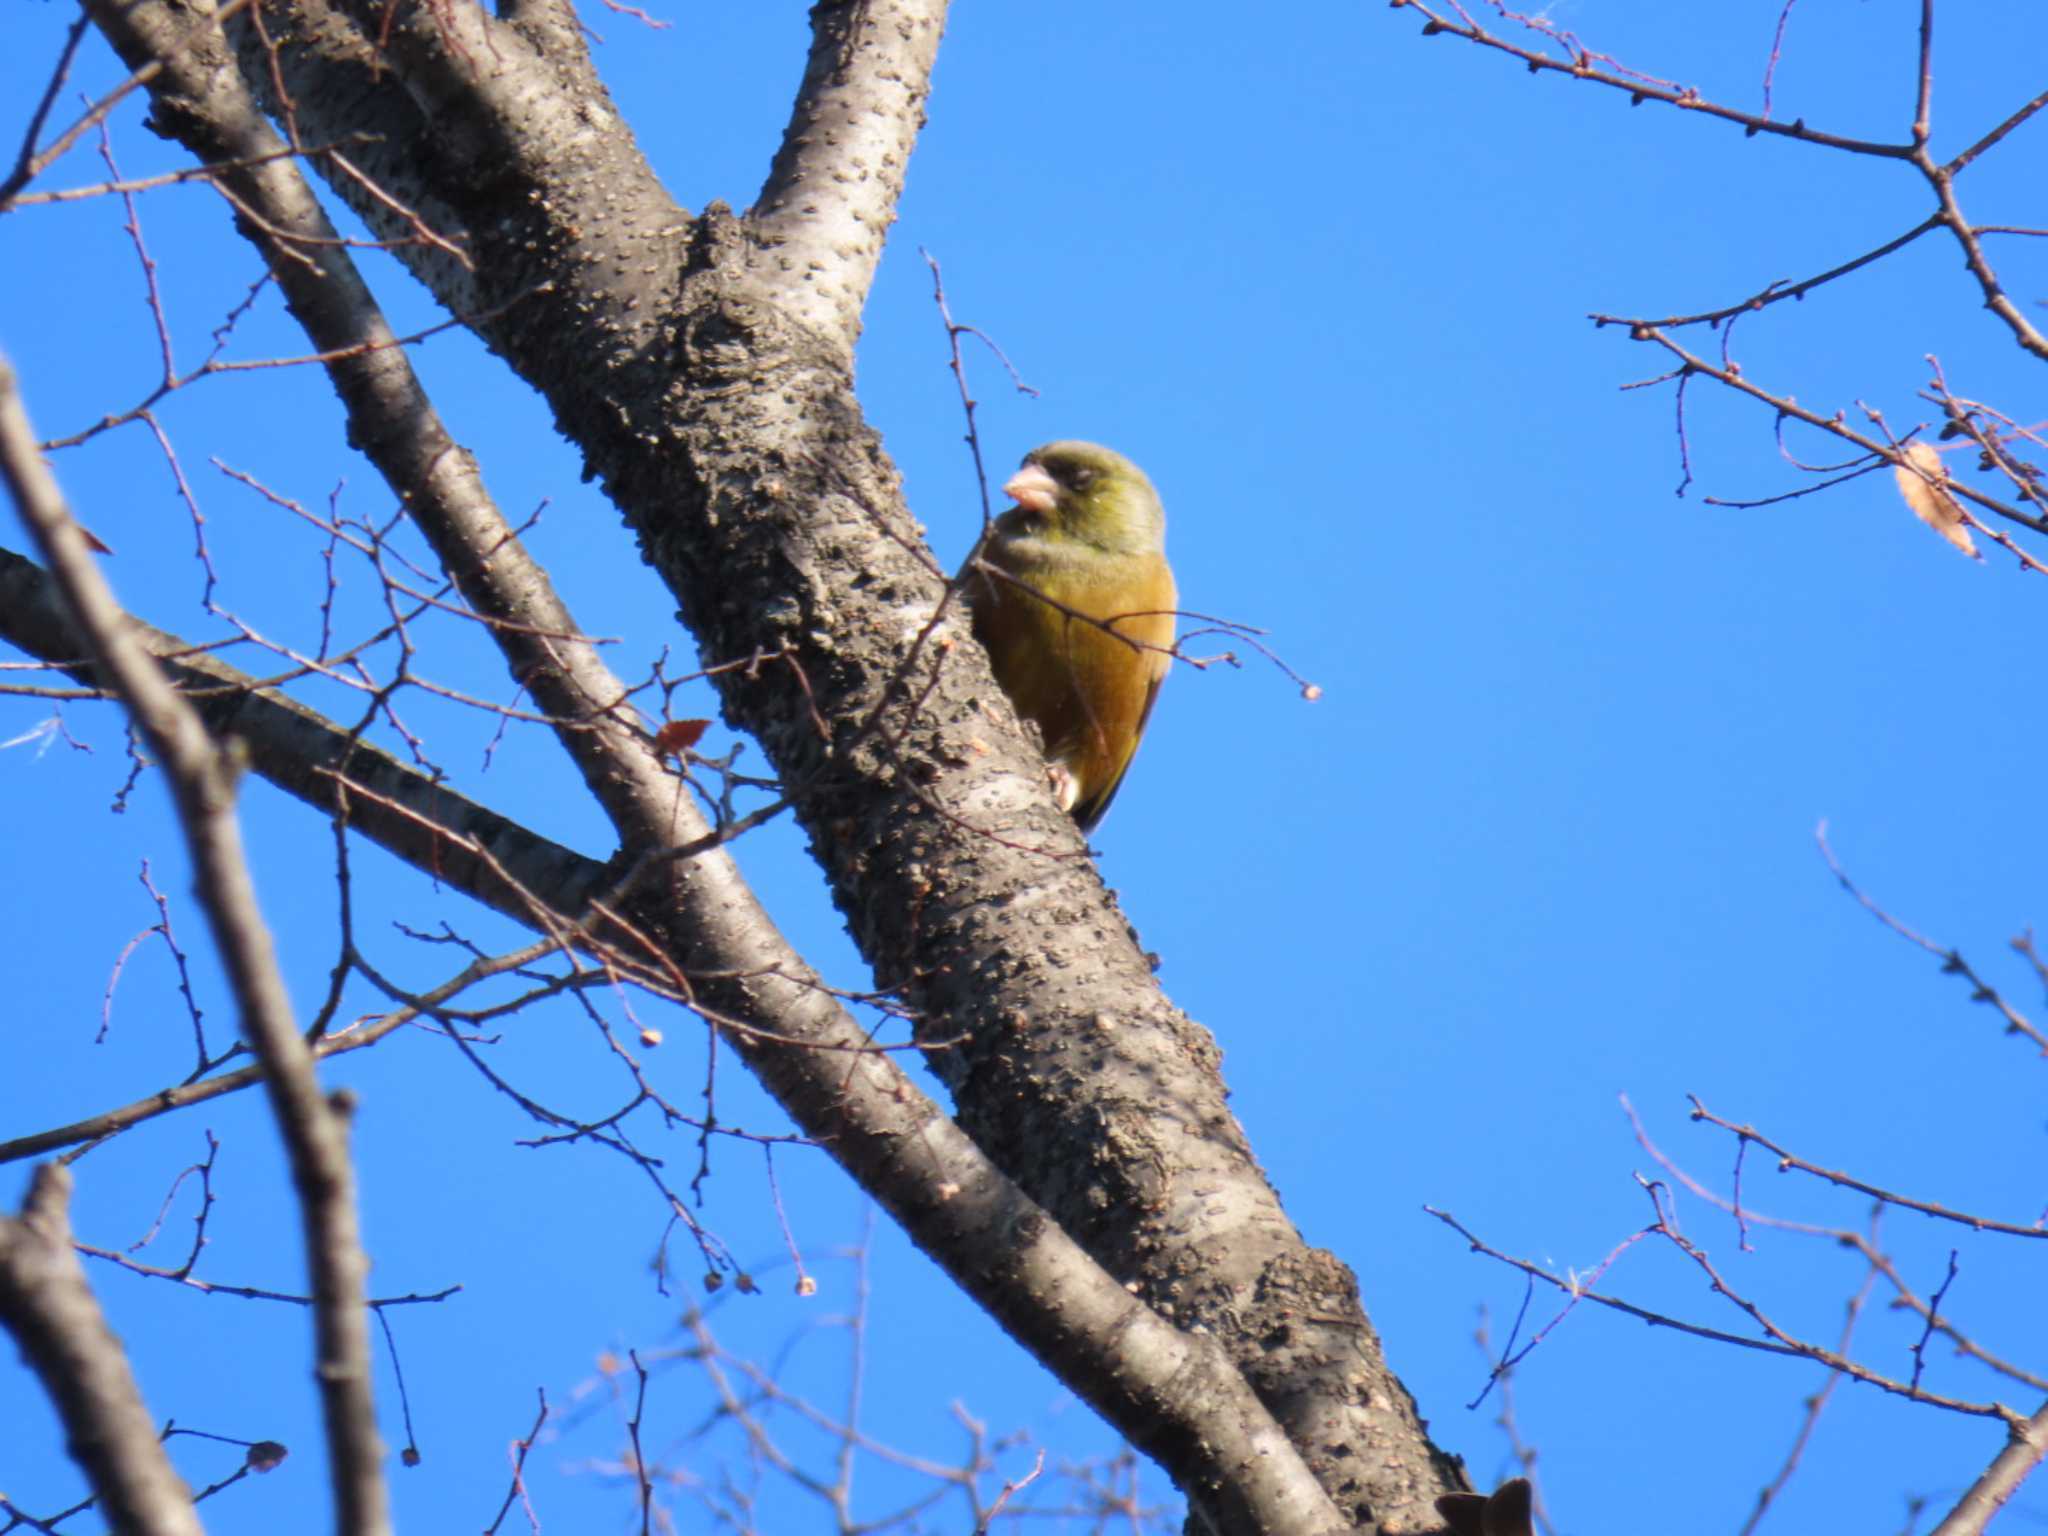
{"points": [[47, 1305], [2016, 1023], [202, 779]]}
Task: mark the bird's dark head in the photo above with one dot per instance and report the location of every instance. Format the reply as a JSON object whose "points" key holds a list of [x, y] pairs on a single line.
{"points": [[1091, 494]]}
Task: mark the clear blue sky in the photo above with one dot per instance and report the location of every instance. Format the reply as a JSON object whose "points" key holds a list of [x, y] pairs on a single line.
{"points": [[1545, 839]]}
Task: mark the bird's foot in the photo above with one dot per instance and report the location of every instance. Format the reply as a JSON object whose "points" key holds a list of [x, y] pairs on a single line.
{"points": [[1065, 789]]}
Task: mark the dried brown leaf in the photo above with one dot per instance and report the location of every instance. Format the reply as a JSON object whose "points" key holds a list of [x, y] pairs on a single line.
{"points": [[1921, 481]]}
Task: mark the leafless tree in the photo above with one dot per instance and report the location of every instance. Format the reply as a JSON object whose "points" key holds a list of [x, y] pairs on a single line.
{"points": [[1699, 349], [1094, 1193], [1932, 188], [1092, 1190]]}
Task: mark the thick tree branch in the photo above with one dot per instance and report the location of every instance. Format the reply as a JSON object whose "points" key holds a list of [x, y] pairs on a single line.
{"points": [[1173, 1394], [311, 758], [831, 194], [202, 782], [48, 1306], [723, 423], [395, 424], [1126, 1358], [2025, 1451]]}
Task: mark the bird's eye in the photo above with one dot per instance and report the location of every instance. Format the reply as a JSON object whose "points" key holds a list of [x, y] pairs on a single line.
{"points": [[1080, 477]]}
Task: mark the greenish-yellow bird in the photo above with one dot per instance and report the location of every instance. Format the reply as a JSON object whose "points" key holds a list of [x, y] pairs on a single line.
{"points": [[1076, 611], [1507, 1511]]}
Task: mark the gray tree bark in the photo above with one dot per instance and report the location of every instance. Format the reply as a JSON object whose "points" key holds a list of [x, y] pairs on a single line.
{"points": [[704, 365]]}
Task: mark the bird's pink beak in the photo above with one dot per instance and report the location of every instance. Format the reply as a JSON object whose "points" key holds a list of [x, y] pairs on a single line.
{"points": [[1033, 489]]}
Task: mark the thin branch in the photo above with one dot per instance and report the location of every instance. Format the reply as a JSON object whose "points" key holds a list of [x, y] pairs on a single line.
{"points": [[1815, 1405], [1942, 179], [201, 777], [1777, 293], [25, 161], [1924, 83], [46, 1304], [1835, 425], [33, 165], [1952, 961], [2026, 1450], [1748, 1133], [1640, 89]]}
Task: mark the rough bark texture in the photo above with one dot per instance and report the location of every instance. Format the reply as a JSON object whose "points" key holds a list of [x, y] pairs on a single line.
{"points": [[704, 367], [1173, 1394]]}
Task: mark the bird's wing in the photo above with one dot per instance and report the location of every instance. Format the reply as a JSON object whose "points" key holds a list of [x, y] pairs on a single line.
{"points": [[1090, 811]]}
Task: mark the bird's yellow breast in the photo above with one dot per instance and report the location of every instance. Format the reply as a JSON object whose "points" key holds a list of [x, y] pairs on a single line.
{"points": [[1081, 647]]}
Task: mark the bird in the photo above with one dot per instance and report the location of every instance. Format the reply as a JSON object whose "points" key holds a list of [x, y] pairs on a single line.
{"points": [[1505, 1512], [1071, 596]]}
